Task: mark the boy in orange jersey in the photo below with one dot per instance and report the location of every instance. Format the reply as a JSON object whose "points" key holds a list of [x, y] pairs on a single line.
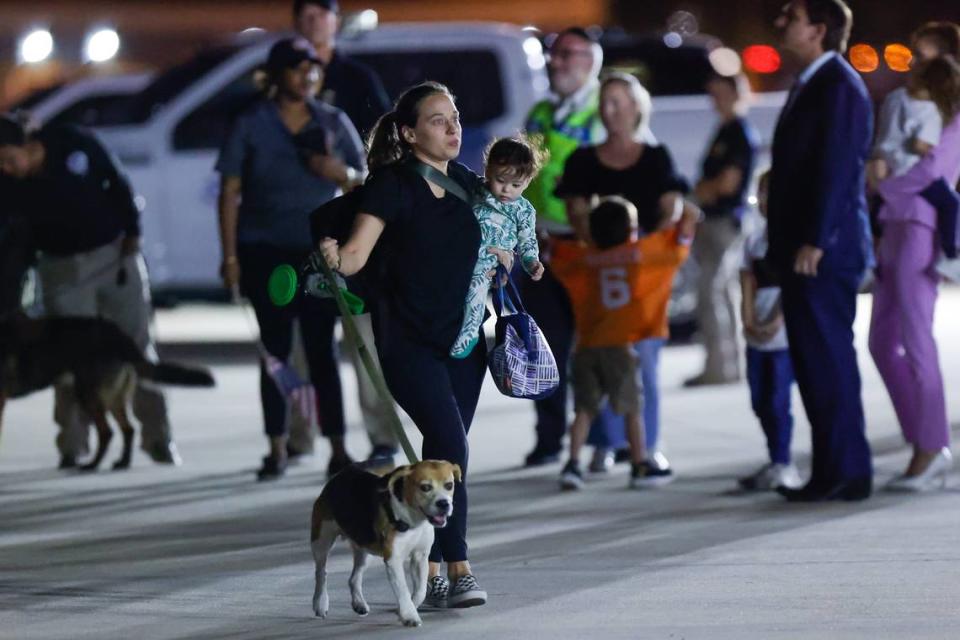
{"points": [[619, 286]]}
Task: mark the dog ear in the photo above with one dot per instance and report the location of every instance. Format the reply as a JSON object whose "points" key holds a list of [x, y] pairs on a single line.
{"points": [[396, 481], [457, 475]]}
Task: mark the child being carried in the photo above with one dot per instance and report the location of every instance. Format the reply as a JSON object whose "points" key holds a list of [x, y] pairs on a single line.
{"points": [[507, 221]]}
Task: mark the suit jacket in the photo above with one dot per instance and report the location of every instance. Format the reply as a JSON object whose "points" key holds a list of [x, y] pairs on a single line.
{"points": [[820, 149]]}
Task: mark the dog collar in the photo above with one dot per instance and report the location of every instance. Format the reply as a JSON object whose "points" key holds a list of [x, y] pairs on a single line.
{"points": [[395, 522]]}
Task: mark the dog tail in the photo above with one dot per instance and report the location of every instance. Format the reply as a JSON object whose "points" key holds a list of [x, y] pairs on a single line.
{"points": [[170, 373]]}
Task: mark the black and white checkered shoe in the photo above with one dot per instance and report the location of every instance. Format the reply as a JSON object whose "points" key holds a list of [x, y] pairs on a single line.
{"points": [[438, 589], [466, 592]]}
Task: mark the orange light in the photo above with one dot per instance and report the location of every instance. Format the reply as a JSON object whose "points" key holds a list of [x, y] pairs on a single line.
{"points": [[898, 57], [761, 58], [864, 58]]}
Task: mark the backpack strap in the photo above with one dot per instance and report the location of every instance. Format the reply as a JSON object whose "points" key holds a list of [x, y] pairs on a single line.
{"points": [[441, 179]]}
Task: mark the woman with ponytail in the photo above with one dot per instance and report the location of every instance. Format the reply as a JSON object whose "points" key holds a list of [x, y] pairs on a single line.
{"points": [[430, 240]]}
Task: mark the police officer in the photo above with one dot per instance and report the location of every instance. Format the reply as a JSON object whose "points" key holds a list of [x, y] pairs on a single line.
{"points": [[722, 193], [351, 86], [566, 121], [355, 89], [86, 227]]}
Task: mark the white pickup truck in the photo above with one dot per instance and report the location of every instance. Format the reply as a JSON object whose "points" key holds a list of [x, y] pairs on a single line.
{"points": [[167, 136]]}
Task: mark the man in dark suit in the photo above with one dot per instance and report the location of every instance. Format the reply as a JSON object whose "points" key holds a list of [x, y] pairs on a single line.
{"points": [[816, 236]]}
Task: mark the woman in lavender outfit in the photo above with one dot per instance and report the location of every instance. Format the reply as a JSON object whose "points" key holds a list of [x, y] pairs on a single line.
{"points": [[901, 327]]}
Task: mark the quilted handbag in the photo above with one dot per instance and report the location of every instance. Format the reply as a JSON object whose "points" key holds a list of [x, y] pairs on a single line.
{"points": [[521, 362]]}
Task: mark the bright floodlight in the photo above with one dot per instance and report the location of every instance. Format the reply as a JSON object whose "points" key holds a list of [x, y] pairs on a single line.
{"points": [[725, 61], [102, 45], [672, 39], [36, 46]]}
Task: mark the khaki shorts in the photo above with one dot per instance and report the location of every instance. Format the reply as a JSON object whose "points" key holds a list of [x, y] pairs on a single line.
{"points": [[610, 372]]}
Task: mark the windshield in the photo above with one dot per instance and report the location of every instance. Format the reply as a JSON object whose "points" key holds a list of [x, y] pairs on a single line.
{"points": [[140, 107]]}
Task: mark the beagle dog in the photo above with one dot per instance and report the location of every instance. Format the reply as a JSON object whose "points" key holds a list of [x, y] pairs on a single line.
{"points": [[392, 517]]}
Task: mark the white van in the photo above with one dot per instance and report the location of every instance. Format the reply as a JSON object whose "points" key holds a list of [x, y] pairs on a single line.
{"points": [[167, 137]]}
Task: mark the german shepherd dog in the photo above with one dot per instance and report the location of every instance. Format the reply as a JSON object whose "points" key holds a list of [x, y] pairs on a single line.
{"points": [[102, 361]]}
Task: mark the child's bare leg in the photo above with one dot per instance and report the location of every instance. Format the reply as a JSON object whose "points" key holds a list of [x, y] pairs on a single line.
{"points": [[635, 437], [578, 433]]}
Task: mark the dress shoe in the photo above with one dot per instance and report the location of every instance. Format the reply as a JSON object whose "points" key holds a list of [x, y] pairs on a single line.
{"points": [[933, 477], [165, 453], [539, 457], [847, 490]]}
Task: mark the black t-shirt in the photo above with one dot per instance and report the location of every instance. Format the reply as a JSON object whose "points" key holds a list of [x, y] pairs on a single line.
{"points": [[734, 145], [653, 175], [430, 249], [355, 89], [79, 201]]}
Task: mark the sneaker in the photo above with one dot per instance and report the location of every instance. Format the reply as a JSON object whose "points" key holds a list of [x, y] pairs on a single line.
{"points": [[704, 380], [538, 457], [657, 460], [67, 462], [164, 453], [466, 592], [272, 469], [622, 455], [338, 464], [294, 455], [646, 476], [380, 456], [571, 478], [602, 460], [438, 588], [771, 476]]}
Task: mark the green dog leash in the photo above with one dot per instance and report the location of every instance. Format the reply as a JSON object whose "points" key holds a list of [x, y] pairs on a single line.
{"points": [[350, 329]]}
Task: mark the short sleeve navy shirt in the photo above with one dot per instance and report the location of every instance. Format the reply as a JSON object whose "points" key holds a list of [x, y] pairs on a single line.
{"points": [[278, 189], [734, 145]]}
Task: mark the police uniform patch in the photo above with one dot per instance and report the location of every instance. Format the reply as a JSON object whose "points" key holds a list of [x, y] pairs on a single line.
{"points": [[78, 163]]}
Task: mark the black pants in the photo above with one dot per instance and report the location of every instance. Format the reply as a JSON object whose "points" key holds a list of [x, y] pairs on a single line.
{"points": [[440, 394], [547, 301], [317, 321]]}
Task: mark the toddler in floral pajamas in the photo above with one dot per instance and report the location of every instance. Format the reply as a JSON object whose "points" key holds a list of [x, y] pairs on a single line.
{"points": [[507, 221]]}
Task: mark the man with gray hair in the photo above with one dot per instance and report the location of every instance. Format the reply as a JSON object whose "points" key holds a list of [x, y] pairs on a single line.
{"points": [[569, 119]]}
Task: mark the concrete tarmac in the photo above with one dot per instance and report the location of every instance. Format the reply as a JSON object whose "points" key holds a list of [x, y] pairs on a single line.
{"points": [[205, 552]]}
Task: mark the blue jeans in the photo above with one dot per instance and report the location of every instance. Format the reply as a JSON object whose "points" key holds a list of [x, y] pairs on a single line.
{"points": [[608, 430], [770, 374]]}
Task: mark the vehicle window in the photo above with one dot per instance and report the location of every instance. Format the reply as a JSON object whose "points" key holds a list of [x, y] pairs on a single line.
{"points": [[88, 112], [473, 76], [139, 107], [207, 126], [662, 70], [34, 98]]}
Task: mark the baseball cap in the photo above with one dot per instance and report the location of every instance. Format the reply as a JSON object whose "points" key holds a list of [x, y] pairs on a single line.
{"points": [[289, 53]]}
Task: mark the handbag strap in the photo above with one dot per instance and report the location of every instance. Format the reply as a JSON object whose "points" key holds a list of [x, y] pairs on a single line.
{"points": [[509, 301], [441, 179]]}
